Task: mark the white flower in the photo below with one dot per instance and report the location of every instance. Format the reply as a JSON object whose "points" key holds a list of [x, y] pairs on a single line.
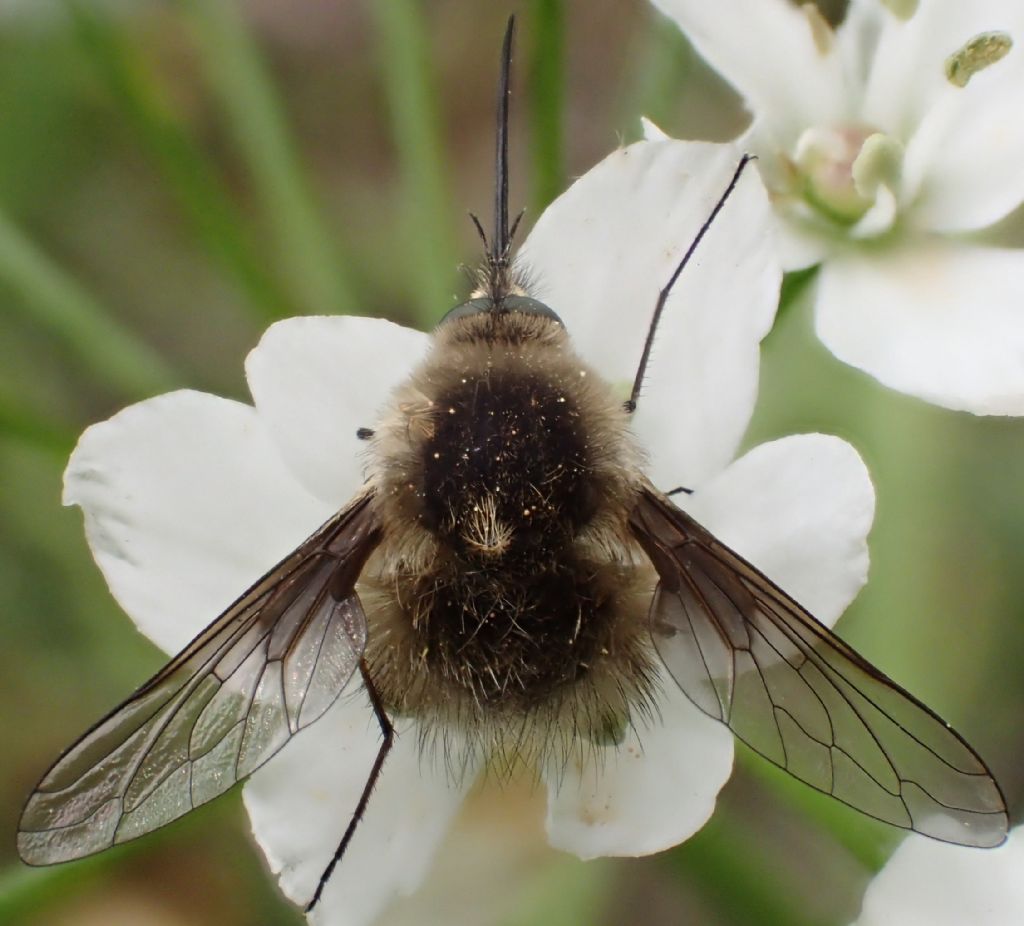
{"points": [[891, 146], [189, 497], [929, 883]]}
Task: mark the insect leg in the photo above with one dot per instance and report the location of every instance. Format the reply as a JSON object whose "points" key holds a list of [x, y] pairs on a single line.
{"points": [[659, 306], [388, 736]]}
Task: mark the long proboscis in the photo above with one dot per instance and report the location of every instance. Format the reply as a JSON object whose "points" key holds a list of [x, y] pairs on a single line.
{"points": [[501, 241]]}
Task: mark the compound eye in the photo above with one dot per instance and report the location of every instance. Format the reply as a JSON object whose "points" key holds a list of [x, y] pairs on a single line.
{"points": [[528, 306], [522, 304], [465, 309]]}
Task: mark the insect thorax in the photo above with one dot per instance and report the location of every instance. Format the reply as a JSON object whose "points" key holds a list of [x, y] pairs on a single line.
{"points": [[508, 584]]}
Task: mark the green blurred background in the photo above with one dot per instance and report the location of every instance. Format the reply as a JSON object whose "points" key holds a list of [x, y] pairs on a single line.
{"points": [[175, 175]]}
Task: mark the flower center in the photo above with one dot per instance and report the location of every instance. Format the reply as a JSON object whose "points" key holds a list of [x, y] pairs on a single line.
{"points": [[848, 175]]}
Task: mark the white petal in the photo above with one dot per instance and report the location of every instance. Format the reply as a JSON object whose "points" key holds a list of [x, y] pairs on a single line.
{"points": [[857, 38], [302, 801], [767, 50], [879, 218], [963, 162], [652, 792], [316, 380], [603, 250], [929, 883], [186, 503], [799, 509], [908, 69], [801, 246], [652, 131], [939, 321]]}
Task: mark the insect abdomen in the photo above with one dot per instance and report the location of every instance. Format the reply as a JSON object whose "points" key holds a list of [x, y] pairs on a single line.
{"points": [[513, 638]]}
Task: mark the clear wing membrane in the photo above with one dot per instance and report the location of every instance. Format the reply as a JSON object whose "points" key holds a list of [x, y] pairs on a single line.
{"points": [[748, 655], [269, 666]]}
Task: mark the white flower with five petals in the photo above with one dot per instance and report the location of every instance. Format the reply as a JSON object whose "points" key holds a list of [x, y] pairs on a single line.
{"points": [[891, 147], [189, 497]]}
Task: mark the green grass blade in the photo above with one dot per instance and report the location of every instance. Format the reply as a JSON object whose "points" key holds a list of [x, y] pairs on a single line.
{"points": [[53, 299], [416, 126], [665, 65], [547, 101], [185, 168], [25, 427], [305, 246]]}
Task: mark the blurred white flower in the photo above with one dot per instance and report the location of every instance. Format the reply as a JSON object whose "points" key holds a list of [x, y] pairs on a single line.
{"points": [[189, 497], [890, 146], [929, 883]]}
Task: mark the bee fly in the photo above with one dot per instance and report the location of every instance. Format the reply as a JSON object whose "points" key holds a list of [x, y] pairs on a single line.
{"points": [[508, 572]]}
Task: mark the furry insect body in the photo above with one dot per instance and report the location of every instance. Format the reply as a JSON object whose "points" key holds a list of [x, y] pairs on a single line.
{"points": [[508, 599]]}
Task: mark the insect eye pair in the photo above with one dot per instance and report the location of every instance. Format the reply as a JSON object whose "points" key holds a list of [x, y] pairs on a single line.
{"points": [[483, 304]]}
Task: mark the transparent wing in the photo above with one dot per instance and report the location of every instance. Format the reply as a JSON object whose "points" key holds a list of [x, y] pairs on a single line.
{"points": [[747, 654], [269, 666]]}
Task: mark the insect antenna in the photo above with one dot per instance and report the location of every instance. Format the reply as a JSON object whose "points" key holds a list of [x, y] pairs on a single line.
{"points": [[659, 306]]}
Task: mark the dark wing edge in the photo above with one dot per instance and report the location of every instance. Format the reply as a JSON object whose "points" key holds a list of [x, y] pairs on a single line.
{"points": [[747, 654], [266, 668]]}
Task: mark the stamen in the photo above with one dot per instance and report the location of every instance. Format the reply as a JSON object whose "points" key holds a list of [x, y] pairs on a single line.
{"points": [[901, 9], [979, 53], [821, 29], [879, 163]]}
